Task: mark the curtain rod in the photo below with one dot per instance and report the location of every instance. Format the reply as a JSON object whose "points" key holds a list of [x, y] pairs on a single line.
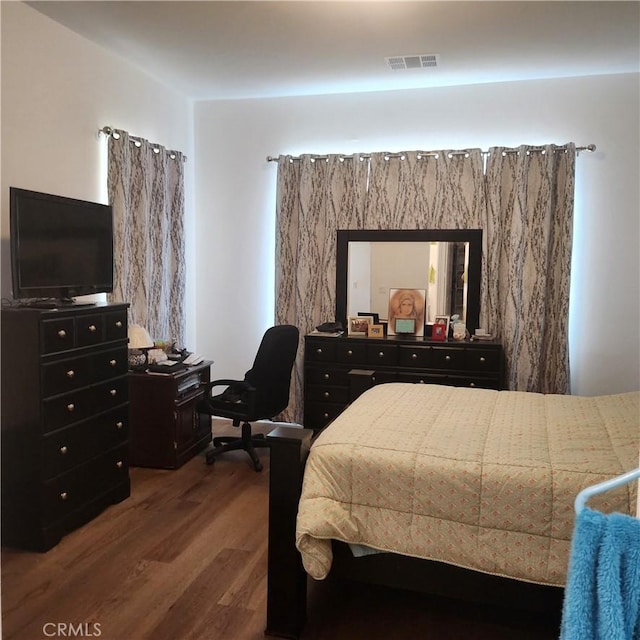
{"points": [[109, 131], [432, 154]]}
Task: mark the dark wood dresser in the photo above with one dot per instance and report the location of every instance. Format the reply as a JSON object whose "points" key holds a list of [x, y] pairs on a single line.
{"points": [[166, 430], [64, 419], [336, 370]]}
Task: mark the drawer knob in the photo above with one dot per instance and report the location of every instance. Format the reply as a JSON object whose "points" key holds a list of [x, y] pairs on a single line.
{"points": [[119, 424], [92, 328], [482, 359], [472, 384], [414, 356], [63, 450], [319, 351], [64, 495], [421, 381], [325, 416], [70, 373], [62, 333], [447, 357], [119, 464], [71, 407], [119, 324], [113, 363], [326, 376], [113, 393], [326, 394], [350, 352], [381, 354]]}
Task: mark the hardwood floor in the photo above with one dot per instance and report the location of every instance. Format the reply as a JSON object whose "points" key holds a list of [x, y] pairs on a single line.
{"points": [[185, 558]]}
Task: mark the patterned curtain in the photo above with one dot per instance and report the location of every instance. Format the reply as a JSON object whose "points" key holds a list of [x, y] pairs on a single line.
{"points": [[146, 189], [315, 198], [420, 190], [523, 201], [529, 233]]}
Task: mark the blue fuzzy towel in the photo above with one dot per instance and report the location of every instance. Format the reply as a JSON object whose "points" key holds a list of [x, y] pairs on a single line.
{"points": [[602, 597]]}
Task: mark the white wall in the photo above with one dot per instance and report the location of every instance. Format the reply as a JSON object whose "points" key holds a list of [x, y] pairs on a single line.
{"points": [[58, 89], [235, 197]]}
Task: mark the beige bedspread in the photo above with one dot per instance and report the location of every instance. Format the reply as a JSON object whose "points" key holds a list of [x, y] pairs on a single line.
{"points": [[477, 478]]}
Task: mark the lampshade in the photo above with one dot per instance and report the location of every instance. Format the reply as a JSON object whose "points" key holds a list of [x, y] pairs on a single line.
{"points": [[139, 337]]}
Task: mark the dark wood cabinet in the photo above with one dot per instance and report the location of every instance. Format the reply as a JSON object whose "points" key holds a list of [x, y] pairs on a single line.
{"points": [[65, 418], [336, 370], [166, 431]]}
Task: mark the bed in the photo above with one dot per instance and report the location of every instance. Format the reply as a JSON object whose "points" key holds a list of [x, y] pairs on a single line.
{"points": [[479, 480]]}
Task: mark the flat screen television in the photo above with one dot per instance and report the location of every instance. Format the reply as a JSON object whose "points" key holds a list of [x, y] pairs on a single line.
{"points": [[60, 247]]}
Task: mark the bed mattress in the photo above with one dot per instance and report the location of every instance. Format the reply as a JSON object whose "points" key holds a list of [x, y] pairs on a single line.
{"points": [[477, 478]]}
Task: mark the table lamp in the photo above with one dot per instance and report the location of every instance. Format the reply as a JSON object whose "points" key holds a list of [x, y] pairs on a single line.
{"points": [[139, 344]]}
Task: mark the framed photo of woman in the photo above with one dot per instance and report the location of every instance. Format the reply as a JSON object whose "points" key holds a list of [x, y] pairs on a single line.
{"points": [[406, 311]]}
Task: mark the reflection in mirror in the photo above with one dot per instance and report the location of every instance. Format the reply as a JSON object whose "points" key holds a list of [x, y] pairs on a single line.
{"points": [[439, 268], [446, 263]]}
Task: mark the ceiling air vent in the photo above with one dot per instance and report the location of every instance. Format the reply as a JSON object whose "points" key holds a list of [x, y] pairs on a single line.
{"points": [[420, 61]]}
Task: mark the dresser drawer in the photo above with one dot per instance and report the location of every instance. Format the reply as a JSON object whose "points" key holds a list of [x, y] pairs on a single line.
{"points": [[447, 358], [482, 360], [327, 376], [321, 351], [57, 335], [110, 394], [64, 410], [351, 353], [423, 377], [115, 324], [480, 383], [90, 330], [63, 376], [67, 448], [382, 354], [71, 490], [414, 356], [318, 415], [381, 376], [326, 393], [109, 364]]}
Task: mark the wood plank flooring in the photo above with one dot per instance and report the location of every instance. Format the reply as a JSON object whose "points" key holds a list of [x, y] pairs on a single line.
{"points": [[185, 558]]}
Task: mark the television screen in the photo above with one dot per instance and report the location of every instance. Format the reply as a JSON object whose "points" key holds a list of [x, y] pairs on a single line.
{"points": [[60, 247]]}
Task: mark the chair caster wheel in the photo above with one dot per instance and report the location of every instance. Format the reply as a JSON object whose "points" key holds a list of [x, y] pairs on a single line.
{"points": [[258, 466], [210, 460]]}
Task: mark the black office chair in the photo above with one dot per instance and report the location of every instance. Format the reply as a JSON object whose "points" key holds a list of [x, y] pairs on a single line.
{"points": [[263, 394]]}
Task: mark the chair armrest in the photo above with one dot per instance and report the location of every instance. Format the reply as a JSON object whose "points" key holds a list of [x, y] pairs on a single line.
{"points": [[237, 387], [240, 385]]}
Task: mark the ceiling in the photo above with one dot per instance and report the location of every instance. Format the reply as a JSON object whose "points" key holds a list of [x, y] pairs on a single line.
{"points": [[210, 50]]}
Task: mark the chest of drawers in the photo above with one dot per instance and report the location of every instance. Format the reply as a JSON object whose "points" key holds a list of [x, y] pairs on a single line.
{"points": [[65, 418], [332, 364]]}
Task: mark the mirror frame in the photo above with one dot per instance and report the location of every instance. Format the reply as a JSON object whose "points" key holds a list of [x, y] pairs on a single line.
{"points": [[472, 236]]}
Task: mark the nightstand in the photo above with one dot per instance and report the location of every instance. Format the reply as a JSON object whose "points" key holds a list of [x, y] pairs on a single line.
{"points": [[165, 429]]}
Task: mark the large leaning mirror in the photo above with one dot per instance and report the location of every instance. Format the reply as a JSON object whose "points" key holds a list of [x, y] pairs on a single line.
{"points": [[445, 264]]}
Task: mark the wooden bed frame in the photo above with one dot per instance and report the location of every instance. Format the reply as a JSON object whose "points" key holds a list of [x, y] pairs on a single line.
{"points": [[287, 580]]}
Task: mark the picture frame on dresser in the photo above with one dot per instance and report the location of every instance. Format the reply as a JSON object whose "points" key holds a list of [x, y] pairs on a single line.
{"points": [[440, 328], [407, 311], [359, 325], [376, 331]]}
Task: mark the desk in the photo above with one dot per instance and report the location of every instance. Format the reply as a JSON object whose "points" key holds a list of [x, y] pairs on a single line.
{"points": [[165, 430]]}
